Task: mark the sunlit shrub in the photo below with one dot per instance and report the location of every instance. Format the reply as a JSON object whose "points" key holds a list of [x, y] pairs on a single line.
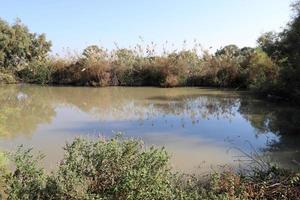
{"points": [[19, 46], [28, 180], [221, 70], [123, 169], [233, 67], [177, 67], [102, 169], [123, 65], [262, 73], [7, 77]]}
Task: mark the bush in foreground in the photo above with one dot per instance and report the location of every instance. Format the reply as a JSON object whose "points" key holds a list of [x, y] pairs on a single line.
{"points": [[124, 169], [102, 169]]}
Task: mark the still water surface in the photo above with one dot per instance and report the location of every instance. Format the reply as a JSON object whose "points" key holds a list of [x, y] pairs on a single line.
{"points": [[201, 128]]}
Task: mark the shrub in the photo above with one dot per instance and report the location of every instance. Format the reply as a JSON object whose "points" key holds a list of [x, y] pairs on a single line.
{"points": [[114, 170], [123, 64], [66, 73], [95, 73], [102, 169], [221, 70], [36, 72], [28, 180], [263, 73], [7, 77], [123, 169]]}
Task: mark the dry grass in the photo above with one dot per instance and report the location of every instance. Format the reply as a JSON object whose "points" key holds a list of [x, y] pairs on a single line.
{"points": [[144, 67]]}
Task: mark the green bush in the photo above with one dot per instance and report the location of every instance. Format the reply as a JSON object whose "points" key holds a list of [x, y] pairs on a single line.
{"points": [[123, 169], [113, 170], [38, 72], [283, 48], [102, 169], [263, 73], [19, 46], [28, 180], [226, 68]]}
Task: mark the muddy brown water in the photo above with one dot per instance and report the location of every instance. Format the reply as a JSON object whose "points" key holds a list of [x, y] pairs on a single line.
{"points": [[202, 128]]}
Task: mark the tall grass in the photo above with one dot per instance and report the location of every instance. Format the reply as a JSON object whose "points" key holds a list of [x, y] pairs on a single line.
{"points": [[138, 66]]}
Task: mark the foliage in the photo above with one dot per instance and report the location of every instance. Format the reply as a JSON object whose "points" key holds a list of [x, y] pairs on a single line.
{"points": [[123, 169], [234, 67], [27, 181], [7, 77], [37, 72], [229, 67], [262, 75], [21, 49], [271, 69], [103, 169], [3, 169], [283, 48]]}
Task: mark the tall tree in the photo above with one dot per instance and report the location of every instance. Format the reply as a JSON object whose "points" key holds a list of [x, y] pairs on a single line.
{"points": [[19, 47]]}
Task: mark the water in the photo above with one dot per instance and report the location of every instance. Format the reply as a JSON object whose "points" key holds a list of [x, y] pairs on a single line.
{"points": [[201, 128]]}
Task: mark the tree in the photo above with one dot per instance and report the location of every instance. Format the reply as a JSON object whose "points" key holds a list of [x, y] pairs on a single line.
{"points": [[19, 47], [284, 48], [94, 53]]}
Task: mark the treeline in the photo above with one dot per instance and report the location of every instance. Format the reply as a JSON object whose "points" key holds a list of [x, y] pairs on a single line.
{"points": [[24, 56], [271, 68], [229, 67]]}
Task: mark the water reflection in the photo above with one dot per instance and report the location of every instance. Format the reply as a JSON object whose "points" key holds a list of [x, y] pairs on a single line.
{"points": [[22, 111], [196, 125], [282, 120]]}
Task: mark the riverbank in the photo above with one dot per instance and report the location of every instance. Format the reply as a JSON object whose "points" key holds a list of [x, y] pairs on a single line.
{"points": [[232, 68], [252, 68], [124, 169]]}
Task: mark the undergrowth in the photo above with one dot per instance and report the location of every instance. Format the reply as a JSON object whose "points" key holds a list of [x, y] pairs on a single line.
{"points": [[120, 168]]}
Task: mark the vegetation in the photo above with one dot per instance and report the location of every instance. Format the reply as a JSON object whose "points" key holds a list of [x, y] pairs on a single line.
{"points": [[284, 49], [6, 77], [23, 56], [228, 67], [272, 68], [21, 52], [123, 169]]}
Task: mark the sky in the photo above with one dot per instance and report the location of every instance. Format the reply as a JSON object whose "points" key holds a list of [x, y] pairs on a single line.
{"points": [[74, 24]]}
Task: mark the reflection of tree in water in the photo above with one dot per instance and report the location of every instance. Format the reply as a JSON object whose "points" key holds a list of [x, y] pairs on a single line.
{"points": [[21, 113], [140, 103], [197, 107], [147, 103], [282, 120], [23, 108]]}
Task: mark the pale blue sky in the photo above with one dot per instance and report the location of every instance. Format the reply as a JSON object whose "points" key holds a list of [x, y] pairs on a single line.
{"points": [[77, 23]]}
